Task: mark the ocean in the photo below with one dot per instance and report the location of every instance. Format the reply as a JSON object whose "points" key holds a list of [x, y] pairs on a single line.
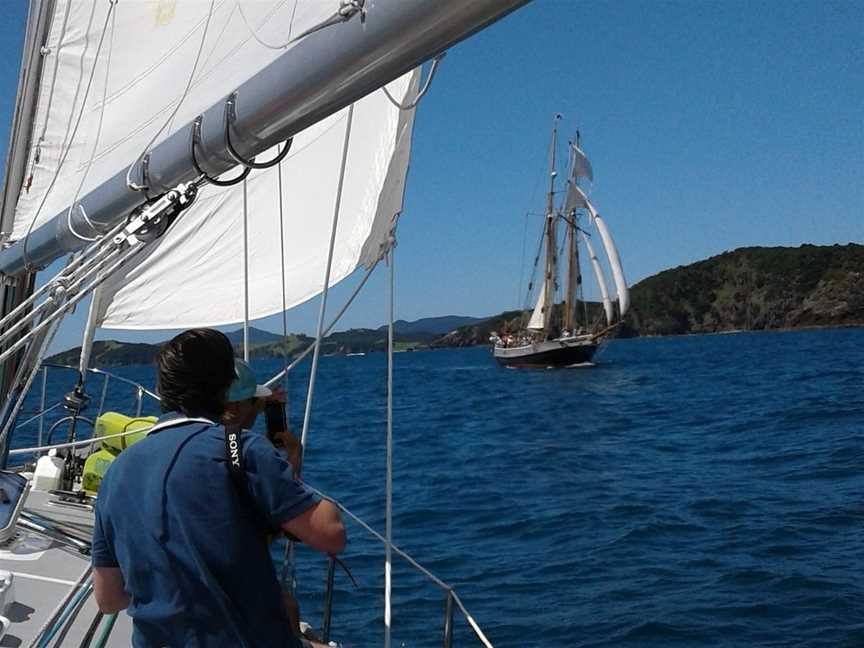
{"points": [[686, 491]]}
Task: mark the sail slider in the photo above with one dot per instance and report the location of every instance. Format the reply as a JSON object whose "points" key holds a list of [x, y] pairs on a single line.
{"points": [[196, 143], [230, 118]]}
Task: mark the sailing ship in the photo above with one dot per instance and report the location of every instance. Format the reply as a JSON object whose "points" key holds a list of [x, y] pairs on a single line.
{"points": [[567, 337], [186, 164]]}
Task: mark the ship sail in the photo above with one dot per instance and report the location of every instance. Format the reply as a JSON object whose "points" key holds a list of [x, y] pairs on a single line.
{"points": [[576, 199], [601, 281], [538, 316]]}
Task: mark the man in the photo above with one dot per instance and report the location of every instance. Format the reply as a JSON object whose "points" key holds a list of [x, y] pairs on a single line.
{"points": [[179, 542]]}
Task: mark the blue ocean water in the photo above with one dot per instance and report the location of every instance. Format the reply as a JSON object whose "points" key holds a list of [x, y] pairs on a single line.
{"points": [[688, 491]]}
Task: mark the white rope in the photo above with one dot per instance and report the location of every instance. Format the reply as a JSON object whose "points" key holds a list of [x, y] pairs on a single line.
{"points": [[388, 513], [347, 10], [245, 273], [253, 30], [320, 328], [413, 104]]}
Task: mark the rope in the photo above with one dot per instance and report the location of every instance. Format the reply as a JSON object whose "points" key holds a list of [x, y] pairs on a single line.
{"points": [[413, 104], [95, 141], [136, 187], [347, 10], [317, 346], [388, 513]]}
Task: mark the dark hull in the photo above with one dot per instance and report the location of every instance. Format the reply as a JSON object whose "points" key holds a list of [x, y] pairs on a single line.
{"points": [[564, 356]]}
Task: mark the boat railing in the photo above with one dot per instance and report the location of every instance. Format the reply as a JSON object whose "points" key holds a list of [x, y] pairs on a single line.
{"points": [[451, 599], [451, 602], [140, 394]]}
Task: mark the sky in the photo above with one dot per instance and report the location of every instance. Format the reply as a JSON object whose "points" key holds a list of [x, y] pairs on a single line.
{"points": [[710, 126]]}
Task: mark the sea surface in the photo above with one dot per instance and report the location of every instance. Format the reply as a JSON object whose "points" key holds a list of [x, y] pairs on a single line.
{"points": [[687, 491]]}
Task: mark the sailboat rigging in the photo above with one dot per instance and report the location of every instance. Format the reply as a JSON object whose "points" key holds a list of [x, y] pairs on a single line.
{"points": [[128, 120], [554, 337]]}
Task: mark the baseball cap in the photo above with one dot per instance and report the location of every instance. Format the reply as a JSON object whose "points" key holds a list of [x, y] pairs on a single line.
{"points": [[245, 384]]}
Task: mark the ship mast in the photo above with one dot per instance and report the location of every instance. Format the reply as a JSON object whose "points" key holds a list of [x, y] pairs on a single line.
{"points": [[551, 272], [573, 271]]}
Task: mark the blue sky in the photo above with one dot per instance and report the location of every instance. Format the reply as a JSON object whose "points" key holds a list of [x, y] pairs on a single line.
{"points": [[710, 126]]}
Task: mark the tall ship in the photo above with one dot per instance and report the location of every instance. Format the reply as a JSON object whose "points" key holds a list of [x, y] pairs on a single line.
{"points": [[569, 334]]}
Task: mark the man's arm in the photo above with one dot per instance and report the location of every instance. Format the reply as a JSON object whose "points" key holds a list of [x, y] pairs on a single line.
{"points": [[108, 590], [320, 527]]}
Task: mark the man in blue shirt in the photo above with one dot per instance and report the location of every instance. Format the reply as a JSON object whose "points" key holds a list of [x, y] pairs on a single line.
{"points": [[179, 542]]}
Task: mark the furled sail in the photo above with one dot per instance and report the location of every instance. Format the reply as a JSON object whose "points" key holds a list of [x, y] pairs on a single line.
{"points": [[538, 317], [601, 280]]}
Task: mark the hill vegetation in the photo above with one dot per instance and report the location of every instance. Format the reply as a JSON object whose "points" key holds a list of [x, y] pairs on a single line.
{"points": [[754, 288]]}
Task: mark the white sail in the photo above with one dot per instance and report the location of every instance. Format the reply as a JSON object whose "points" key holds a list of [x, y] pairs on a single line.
{"points": [[577, 197], [614, 262], [111, 82], [193, 276], [580, 165], [538, 317], [601, 280]]}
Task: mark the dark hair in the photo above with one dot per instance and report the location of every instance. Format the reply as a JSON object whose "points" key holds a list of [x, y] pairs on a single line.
{"points": [[196, 368]]}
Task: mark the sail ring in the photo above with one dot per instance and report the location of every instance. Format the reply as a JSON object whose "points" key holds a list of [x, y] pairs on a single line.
{"points": [[230, 117], [196, 137]]}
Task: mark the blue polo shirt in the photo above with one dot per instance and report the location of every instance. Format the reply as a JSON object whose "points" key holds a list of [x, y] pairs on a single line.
{"points": [[193, 552]]}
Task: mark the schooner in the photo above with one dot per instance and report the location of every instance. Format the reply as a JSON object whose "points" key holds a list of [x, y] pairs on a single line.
{"points": [[554, 337]]}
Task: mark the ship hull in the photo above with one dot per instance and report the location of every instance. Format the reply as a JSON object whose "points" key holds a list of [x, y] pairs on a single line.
{"points": [[551, 353]]}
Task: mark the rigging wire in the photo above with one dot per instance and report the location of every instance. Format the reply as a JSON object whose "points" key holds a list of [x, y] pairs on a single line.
{"points": [[27, 264], [317, 346], [129, 183]]}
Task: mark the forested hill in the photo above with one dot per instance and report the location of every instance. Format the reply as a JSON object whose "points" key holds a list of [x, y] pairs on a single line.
{"points": [[755, 288]]}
